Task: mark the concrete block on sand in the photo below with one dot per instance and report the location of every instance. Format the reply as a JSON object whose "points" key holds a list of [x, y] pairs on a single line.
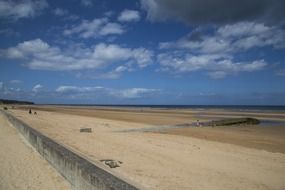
{"points": [[86, 130]]}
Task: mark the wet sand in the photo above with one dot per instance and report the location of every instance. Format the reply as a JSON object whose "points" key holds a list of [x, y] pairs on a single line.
{"points": [[271, 139], [21, 167], [188, 158]]}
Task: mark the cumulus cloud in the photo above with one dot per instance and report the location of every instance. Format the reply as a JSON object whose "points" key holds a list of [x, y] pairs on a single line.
{"points": [[38, 54], [231, 38], [217, 65], [216, 51], [227, 31], [37, 88], [111, 28], [215, 11], [95, 28], [12, 9], [129, 16]]}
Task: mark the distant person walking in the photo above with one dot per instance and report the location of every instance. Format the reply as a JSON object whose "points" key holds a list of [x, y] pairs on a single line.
{"points": [[30, 111]]}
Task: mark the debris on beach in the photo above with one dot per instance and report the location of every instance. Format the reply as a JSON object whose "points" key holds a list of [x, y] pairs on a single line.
{"points": [[111, 163], [86, 130]]}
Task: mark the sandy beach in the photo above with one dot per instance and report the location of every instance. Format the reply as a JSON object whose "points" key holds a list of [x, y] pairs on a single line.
{"points": [[21, 167], [177, 158]]}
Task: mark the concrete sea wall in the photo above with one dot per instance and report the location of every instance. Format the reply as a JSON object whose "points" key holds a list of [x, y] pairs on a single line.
{"points": [[82, 174]]}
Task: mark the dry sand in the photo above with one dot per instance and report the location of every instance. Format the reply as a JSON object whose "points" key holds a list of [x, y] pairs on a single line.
{"points": [[162, 160], [21, 167]]}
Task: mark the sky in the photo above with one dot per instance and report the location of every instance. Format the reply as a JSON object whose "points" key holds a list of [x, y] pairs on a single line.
{"points": [[183, 52]]}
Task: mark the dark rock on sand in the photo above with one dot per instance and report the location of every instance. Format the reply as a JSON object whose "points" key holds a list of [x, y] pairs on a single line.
{"points": [[234, 121]]}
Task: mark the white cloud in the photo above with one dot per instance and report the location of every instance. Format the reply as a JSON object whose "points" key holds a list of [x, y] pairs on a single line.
{"points": [[242, 29], [21, 9], [135, 92], [71, 89], [217, 66], [216, 51], [37, 54], [86, 28], [37, 88], [95, 28], [253, 66], [111, 28], [142, 56], [231, 38], [129, 16], [30, 48], [77, 91]]}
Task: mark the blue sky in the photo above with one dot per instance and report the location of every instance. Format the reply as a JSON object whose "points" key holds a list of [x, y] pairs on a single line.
{"points": [[143, 52]]}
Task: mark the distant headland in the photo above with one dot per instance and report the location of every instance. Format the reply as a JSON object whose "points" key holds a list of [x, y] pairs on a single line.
{"points": [[5, 101]]}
